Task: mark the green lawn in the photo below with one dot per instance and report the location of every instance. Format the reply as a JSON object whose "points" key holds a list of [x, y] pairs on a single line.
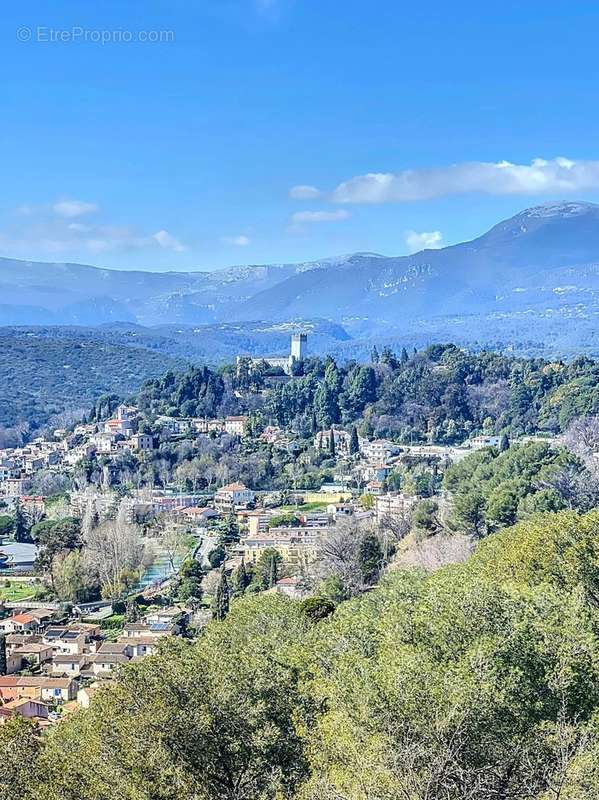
{"points": [[16, 590], [305, 508]]}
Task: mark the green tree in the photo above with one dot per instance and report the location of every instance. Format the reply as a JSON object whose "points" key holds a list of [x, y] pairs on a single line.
{"points": [[7, 524], [354, 442], [469, 511], [21, 528], [217, 556], [425, 515], [242, 578], [54, 537], [229, 530], [221, 598], [132, 613], [20, 745], [268, 567], [370, 557]]}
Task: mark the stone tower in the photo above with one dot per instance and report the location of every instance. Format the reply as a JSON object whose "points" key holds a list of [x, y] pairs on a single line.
{"points": [[299, 346]]}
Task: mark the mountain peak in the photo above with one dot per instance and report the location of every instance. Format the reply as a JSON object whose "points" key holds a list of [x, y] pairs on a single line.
{"points": [[560, 209]]}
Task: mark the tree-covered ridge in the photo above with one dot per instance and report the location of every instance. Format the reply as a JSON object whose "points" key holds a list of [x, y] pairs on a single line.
{"points": [[477, 681], [44, 377], [442, 394], [197, 392]]}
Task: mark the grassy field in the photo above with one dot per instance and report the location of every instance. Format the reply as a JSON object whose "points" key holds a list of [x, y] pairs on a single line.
{"points": [[305, 508], [11, 591]]}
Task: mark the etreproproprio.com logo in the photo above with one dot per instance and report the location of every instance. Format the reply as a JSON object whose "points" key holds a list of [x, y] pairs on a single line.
{"points": [[45, 34]]}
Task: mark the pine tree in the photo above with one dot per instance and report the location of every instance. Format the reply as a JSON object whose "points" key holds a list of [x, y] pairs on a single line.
{"points": [[221, 597], [374, 355], [404, 355], [3, 666], [354, 442]]}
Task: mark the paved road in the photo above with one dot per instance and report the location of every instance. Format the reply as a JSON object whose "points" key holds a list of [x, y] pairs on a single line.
{"points": [[207, 545]]}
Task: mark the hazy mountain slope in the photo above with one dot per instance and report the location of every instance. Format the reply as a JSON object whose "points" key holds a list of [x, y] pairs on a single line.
{"points": [[215, 343], [542, 261], [529, 258], [46, 293]]}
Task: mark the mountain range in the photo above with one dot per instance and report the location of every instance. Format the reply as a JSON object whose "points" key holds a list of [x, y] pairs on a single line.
{"points": [[532, 277]]}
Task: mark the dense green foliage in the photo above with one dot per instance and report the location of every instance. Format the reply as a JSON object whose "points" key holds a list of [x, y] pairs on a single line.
{"points": [[442, 394], [492, 489], [44, 377], [197, 392], [476, 681]]}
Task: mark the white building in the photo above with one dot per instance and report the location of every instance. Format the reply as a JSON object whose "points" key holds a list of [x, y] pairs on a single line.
{"points": [[393, 505], [232, 497]]}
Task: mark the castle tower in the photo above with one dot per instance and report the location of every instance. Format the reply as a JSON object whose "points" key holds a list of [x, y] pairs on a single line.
{"points": [[299, 346]]}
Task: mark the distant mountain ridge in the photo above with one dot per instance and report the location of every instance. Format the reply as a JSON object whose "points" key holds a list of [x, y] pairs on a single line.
{"points": [[541, 264]]}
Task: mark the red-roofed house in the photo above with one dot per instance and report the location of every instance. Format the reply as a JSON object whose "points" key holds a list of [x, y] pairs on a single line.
{"points": [[233, 496], [19, 623]]}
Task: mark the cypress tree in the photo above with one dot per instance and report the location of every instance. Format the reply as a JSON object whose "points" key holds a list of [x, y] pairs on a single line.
{"points": [[274, 572], [242, 579], [504, 443], [3, 666], [313, 423], [132, 610], [332, 448], [354, 442], [21, 529], [221, 597]]}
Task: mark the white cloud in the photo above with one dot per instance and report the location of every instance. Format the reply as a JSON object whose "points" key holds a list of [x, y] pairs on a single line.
{"points": [[426, 240], [501, 178], [319, 216], [238, 241], [304, 192], [73, 208], [168, 242], [44, 229]]}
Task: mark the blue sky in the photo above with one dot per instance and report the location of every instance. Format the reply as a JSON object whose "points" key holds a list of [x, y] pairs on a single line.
{"points": [[184, 154]]}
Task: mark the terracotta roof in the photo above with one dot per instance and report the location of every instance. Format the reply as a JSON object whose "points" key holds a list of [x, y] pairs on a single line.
{"points": [[21, 619], [233, 487]]}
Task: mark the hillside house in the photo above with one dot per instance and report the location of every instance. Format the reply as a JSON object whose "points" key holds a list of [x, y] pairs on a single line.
{"points": [[232, 497]]}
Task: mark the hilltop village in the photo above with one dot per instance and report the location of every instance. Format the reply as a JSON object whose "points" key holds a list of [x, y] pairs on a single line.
{"points": [[141, 523]]}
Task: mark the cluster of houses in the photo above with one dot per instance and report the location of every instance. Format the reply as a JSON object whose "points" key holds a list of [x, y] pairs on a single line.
{"points": [[52, 666], [121, 431], [117, 435]]}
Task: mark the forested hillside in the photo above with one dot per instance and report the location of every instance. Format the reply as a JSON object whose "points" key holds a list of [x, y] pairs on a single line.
{"points": [[442, 394], [43, 377], [477, 681]]}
